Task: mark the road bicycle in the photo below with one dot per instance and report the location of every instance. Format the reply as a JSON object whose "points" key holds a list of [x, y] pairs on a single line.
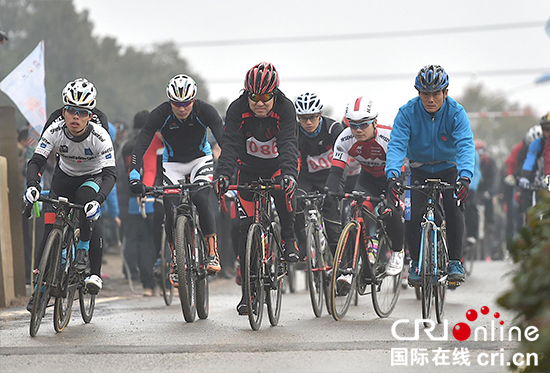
{"points": [[263, 270], [433, 255], [161, 270], [190, 252], [56, 275], [318, 255], [361, 256]]}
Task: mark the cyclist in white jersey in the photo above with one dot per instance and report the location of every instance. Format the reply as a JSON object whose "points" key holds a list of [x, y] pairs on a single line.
{"points": [[85, 172]]}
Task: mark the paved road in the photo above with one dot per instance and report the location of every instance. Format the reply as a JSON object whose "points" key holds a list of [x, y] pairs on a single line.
{"points": [[133, 333]]}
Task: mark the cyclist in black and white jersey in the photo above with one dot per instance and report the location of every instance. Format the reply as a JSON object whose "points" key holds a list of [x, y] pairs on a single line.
{"points": [[85, 171], [183, 122], [316, 136]]}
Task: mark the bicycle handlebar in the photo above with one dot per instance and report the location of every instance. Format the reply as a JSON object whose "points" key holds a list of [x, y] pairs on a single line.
{"points": [[357, 195], [260, 185], [171, 189]]}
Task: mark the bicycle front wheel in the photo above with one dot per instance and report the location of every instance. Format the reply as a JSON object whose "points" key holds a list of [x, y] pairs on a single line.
{"points": [[344, 271], [45, 278], [253, 276], [385, 288], [165, 265], [274, 278], [184, 264], [441, 286], [314, 274], [427, 273], [203, 302]]}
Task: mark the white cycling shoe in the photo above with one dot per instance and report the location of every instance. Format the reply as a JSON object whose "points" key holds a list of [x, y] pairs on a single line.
{"points": [[94, 283], [395, 266]]}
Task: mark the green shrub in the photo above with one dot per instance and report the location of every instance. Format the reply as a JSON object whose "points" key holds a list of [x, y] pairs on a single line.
{"points": [[530, 294]]}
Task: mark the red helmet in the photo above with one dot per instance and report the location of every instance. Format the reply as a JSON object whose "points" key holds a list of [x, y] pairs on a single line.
{"points": [[262, 78]]}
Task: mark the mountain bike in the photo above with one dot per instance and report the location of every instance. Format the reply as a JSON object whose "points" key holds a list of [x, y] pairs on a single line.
{"points": [[263, 270], [362, 256], [189, 248], [433, 256], [56, 276], [318, 255]]}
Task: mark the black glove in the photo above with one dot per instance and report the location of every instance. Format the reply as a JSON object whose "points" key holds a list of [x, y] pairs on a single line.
{"points": [[395, 189], [222, 185], [462, 189], [137, 187]]}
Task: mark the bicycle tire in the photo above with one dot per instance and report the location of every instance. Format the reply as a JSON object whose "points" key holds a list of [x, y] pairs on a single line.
{"points": [[165, 265], [384, 289], [344, 265], [291, 277], [253, 276], [87, 303], [274, 288], [184, 246], [427, 273], [203, 301], [441, 286], [314, 268], [44, 279], [64, 304], [328, 259]]}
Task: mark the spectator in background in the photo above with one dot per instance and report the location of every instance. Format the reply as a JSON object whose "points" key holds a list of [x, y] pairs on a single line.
{"points": [[140, 250], [3, 37]]}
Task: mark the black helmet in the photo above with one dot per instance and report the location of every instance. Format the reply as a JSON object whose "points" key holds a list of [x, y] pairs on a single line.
{"points": [[431, 78], [545, 119]]}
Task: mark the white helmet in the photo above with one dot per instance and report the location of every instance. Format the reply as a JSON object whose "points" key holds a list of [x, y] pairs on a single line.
{"points": [[534, 133], [308, 103], [80, 93], [361, 109], [181, 88]]}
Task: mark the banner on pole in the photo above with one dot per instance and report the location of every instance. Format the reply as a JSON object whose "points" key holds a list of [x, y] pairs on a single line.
{"points": [[25, 87]]}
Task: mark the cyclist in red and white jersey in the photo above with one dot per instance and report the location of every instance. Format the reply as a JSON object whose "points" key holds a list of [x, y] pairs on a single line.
{"points": [[366, 141]]}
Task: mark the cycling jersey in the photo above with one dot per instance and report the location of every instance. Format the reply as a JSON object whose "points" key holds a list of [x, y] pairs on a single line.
{"points": [[316, 151], [371, 154], [184, 140], [432, 142], [533, 165], [260, 144]]}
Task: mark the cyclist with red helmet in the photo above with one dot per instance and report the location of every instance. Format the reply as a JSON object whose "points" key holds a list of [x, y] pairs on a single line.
{"points": [[259, 141], [433, 132], [183, 122]]}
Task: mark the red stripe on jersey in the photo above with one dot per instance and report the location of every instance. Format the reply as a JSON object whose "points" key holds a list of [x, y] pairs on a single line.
{"points": [[357, 103], [338, 163]]}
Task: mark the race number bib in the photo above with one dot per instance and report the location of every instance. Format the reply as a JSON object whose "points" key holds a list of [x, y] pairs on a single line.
{"points": [[262, 149], [316, 163]]}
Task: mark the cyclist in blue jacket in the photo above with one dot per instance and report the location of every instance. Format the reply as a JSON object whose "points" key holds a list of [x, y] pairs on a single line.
{"points": [[433, 132]]}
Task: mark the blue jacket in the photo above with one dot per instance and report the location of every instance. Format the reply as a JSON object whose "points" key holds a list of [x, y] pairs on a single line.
{"points": [[431, 140]]}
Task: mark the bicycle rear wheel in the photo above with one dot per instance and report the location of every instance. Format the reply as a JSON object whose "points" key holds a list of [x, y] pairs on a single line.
{"points": [[427, 273], [441, 286], [274, 274], [385, 289], [184, 264], [64, 303], [45, 278], [345, 268], [314, 270], [87, 304], [165, 265], [253, 276], [203, 302]]}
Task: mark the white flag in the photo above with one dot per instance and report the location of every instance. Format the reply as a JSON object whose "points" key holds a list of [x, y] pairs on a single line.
{"points": [[25, 86]]}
